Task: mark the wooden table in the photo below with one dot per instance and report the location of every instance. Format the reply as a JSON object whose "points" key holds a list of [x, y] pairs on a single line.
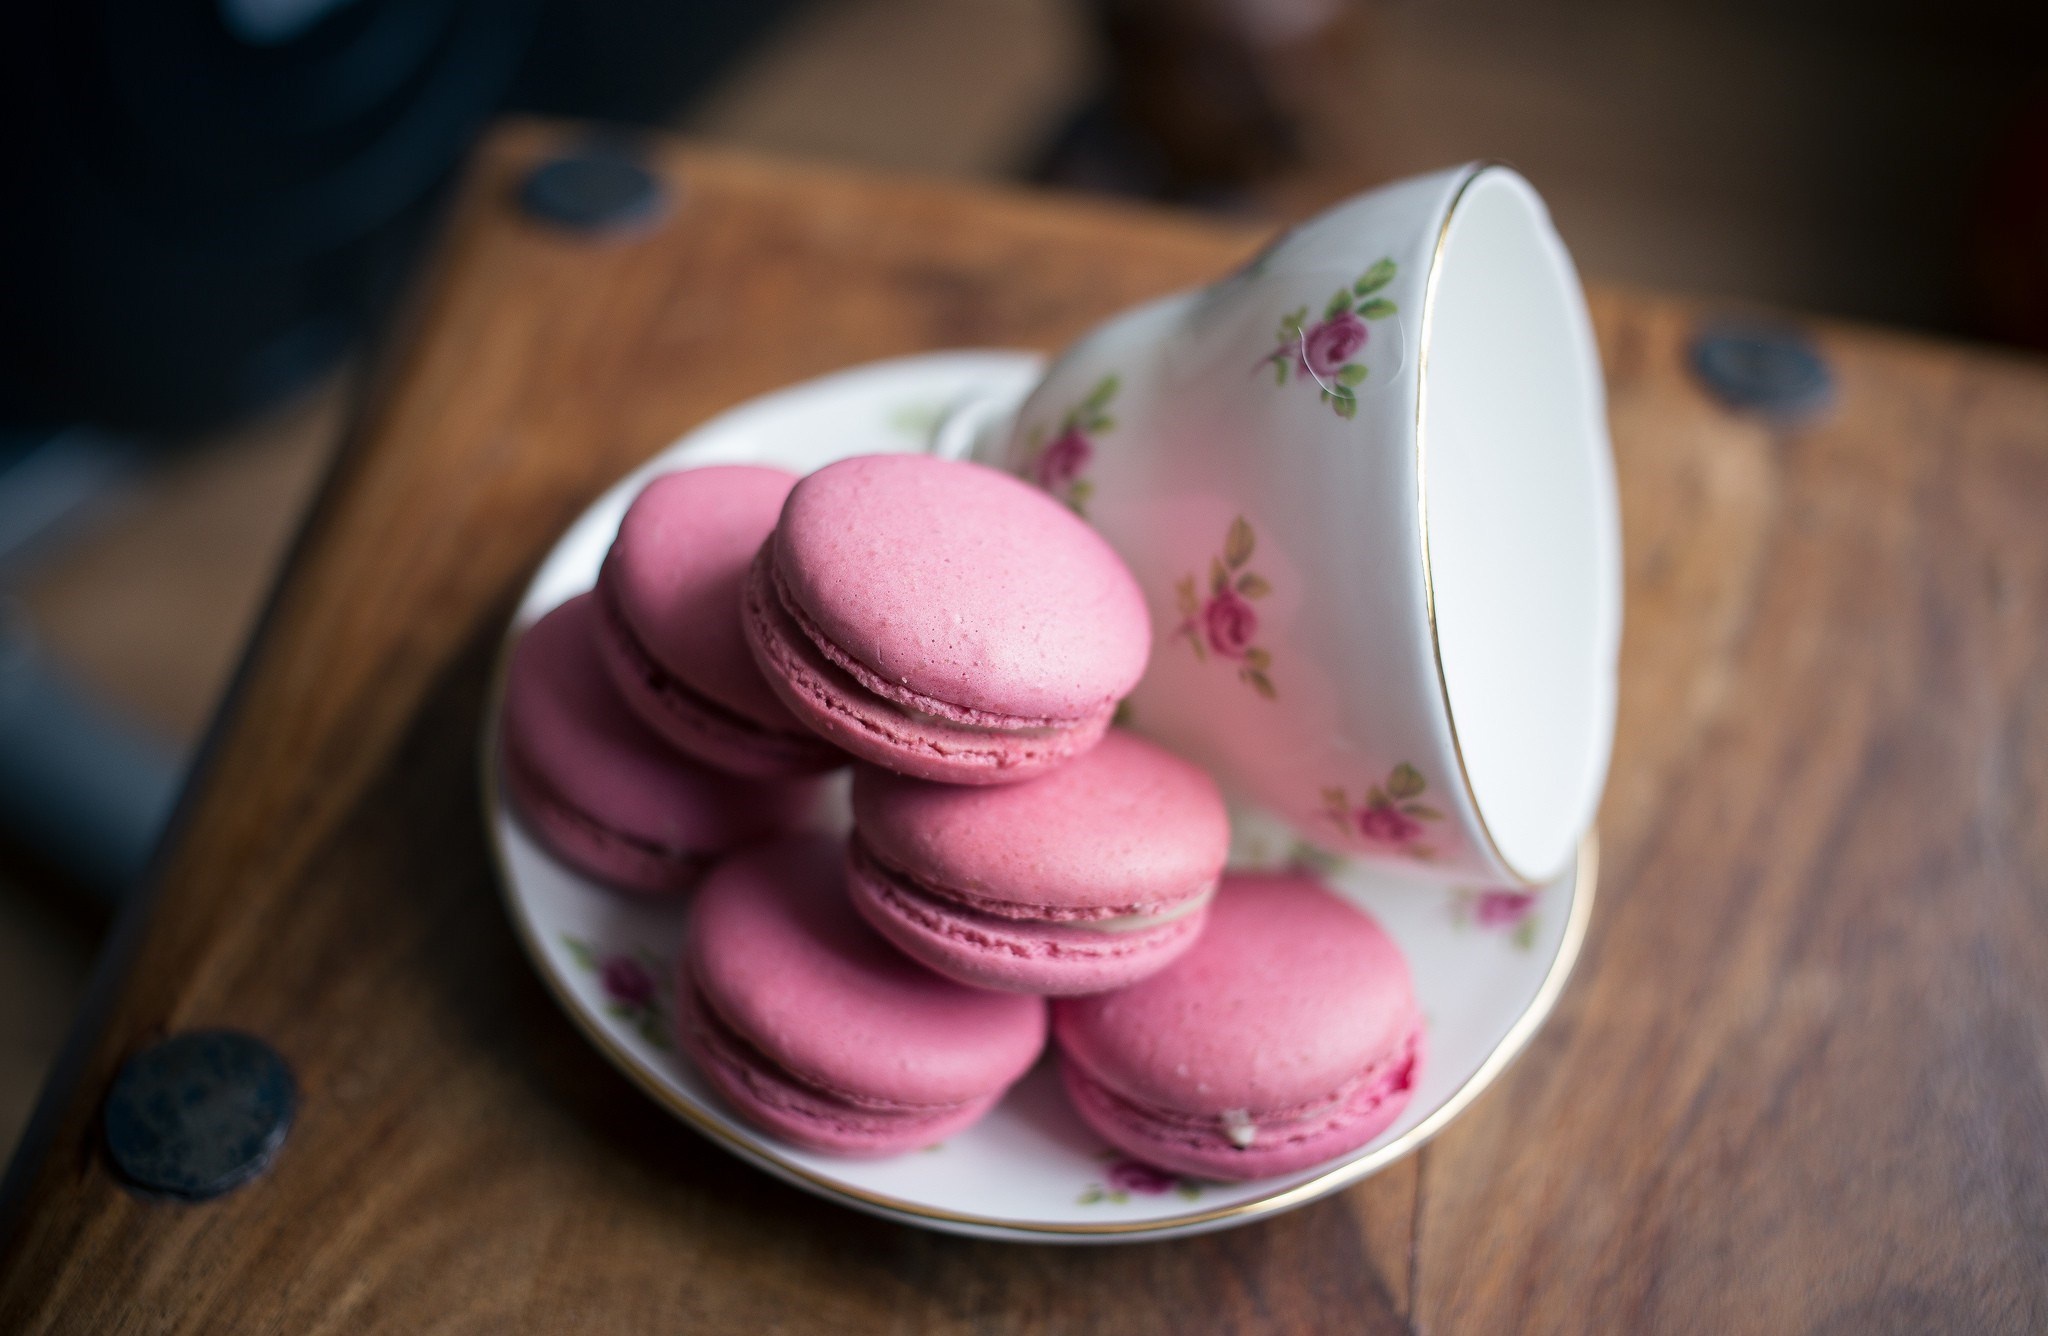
{"points": [[1799, 1084]]}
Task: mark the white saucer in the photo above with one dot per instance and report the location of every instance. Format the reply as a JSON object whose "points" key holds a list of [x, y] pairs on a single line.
{"points": [[1488, 967]]}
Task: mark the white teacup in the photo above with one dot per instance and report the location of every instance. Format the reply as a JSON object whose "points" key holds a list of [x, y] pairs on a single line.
{"points": [[1367, 487]]}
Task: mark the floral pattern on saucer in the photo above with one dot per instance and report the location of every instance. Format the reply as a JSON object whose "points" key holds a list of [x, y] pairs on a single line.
{"points": [[1058, 465], [1391, 817], [1124, 1177], [633, 986], [1224, 622], [1497, 910], [1323, 352]]}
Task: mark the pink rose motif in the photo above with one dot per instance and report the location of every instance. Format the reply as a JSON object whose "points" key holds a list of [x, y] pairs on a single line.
{"points": [[1383, 823], [1137, 1176], [1230, 623], [1500, 909], [1061, 463], [627, 982], [1328, 346]]}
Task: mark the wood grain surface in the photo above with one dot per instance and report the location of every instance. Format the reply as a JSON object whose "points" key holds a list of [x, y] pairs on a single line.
{"points": [[1799, 1084]]}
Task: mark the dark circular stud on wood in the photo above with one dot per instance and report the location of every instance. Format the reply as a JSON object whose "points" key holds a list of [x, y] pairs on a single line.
{"points": [[198, 1114], [1765, 368], [596, 188]]}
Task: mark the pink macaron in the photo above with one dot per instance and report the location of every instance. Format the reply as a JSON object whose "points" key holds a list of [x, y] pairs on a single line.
{"points": [[670, 593], [817, 1031], [1089, 877], [1289, 1035], [944, 620], [602, 791]]}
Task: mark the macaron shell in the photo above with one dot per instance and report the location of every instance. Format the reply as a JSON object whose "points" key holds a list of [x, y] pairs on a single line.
{"points": [[782, 958], [1050, 959], [676, 569], [842, 711], [568, 736], [1125, 828], [1288, 997], [963, 585]]}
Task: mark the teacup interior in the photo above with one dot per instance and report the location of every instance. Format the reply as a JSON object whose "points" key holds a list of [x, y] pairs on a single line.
{"points": [[1521, 542]]}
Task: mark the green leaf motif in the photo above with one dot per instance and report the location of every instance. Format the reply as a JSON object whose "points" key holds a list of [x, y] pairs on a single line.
{"points": [[1099, 397], [1375, 278], [1188, 1188], [580, 951], [1422, 811], [1340, 302], [1253, 586], [1238, 543], [1190, 603], [1350, 374], [1525, 933], [1346, 407], [1219, 580], [1258, 658], [1261, 683], [1379, 308], [1279, 371], [1335, 798], [1405, 781]]}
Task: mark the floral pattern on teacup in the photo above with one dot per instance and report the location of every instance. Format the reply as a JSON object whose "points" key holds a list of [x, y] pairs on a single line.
{"points": [[1391, 818], [1058, 464], [1223, 622], [1325, 351], [1497, 910], [1125, 1177], [633, 986]]}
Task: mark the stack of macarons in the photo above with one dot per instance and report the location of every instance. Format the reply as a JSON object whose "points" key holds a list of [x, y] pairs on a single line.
{"points": [[1018, 868], [638, 740]]}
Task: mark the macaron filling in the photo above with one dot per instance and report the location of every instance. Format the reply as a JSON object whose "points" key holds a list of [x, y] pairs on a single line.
{"points": [[684, 701], [1376, 1094], [911, 893]]}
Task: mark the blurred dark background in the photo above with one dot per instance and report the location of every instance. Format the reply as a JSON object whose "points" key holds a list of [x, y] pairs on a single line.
{"points": [[209, 208]]}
